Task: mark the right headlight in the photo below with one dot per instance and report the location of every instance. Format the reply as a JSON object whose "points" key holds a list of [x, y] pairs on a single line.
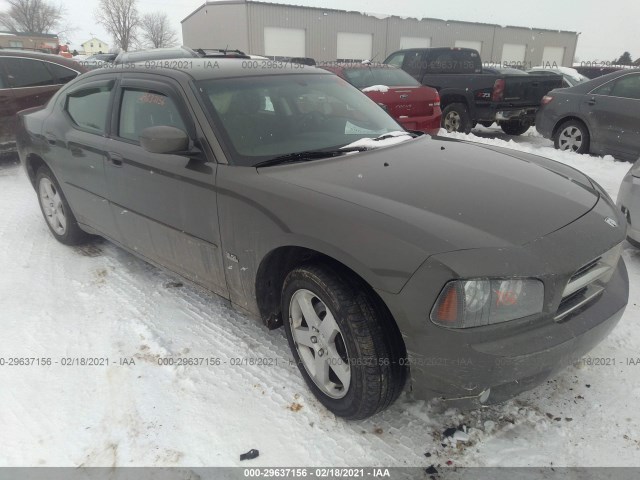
{"points": [[486, 301]]}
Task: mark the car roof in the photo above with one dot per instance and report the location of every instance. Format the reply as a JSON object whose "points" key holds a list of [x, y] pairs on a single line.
{"points": [[358, 65], [66, 62], [207, 68]]}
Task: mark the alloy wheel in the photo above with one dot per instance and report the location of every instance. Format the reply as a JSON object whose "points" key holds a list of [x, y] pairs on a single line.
{"points": [[319, 343], [52, 206]]}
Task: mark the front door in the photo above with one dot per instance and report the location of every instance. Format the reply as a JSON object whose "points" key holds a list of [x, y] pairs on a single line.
{"points": [[164, 204], [614, 113]]}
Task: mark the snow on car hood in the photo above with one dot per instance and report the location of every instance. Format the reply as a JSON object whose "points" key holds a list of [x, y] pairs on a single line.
{"points": [[468, 196]]}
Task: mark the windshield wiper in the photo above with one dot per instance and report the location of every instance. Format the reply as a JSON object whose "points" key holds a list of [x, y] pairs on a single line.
{"points": [[308, 155]]}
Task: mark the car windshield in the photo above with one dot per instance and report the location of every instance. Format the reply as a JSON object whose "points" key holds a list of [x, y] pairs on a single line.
{"points": [[264, 117], [391, 77]]}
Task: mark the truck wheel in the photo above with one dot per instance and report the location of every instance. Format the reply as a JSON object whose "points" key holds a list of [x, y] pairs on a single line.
{"points": [[345, 343], [514, 127], [56, 211], [455, 118], [573, 136]]}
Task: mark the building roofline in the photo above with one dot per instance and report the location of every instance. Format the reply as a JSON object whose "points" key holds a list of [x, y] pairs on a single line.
{"points": [[369, 14], [30, 34]]}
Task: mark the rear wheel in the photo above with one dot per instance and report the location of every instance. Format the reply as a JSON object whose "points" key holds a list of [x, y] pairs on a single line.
{"points": [[455, 118], [572, 136], [345, 343], [514, 127], [56, 211]]}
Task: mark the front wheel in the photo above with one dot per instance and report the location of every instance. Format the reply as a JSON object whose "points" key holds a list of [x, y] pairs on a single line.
{"points": [[456, 118], [344, 341], [56, 211], [572, 136], [514, 127]]}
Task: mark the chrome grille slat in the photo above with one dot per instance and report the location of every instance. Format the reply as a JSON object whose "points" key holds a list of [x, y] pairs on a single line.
{"points": [[587, 283]]}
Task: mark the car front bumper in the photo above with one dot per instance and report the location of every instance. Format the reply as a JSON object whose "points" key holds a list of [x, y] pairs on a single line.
{"points": [[475, 366], [629, 203]]}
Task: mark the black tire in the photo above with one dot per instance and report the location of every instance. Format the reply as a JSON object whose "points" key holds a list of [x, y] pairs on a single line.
{"points": [[514, 127], [578, 128], [456, 118], [73, 234], [373, 344]]}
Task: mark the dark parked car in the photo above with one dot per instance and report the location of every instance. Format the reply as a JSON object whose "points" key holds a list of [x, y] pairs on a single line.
{"points": [[629, 203], [570, 76], [601, 116], [470, 94], [412, 105], [384, 254], [593, 71], [28, 79]]}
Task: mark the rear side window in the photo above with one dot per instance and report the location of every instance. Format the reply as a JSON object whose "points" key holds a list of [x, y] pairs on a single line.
{"points": [[627, 87], [88, 108], [62, 74], [142, 109], [27, 72]]}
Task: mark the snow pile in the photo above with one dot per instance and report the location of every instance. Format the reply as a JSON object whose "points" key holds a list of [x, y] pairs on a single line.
{"points": [[376, 88], [385, 140]]}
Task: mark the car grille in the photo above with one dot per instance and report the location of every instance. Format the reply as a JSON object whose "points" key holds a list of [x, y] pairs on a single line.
{"points": [[587, 283]]}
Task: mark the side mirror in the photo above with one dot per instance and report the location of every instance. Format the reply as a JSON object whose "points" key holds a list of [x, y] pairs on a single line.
{"points": [[164, 139]]}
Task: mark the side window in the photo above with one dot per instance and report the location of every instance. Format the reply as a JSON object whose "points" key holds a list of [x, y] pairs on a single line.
{"points": [[2, 81], [88, 108], [627, 87], [396, 59], [62, 74], [603, 89], [26, 72], [413, 63], [141, 109]]}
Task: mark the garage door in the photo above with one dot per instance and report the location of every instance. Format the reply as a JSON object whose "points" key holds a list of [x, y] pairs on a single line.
{"points": [[513, 53], [414, 42], [469, 44], [355, 46], [553, 56], [284, 42]]}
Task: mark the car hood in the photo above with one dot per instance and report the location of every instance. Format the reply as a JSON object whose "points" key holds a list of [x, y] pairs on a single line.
{"points": [[460, 195]]}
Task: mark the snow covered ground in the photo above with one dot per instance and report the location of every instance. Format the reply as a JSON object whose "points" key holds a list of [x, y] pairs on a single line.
{"points": [[100, 302]]}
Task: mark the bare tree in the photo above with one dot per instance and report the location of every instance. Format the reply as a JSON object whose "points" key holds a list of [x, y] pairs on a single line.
{"points": [[37, 16], [120, 18], [156, 31]]}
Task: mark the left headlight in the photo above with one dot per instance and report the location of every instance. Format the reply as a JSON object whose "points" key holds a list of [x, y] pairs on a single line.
{"points": [[486, 301]]}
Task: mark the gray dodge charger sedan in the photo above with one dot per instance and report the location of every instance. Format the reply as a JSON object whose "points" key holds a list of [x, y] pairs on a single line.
{"points": [[473, 271]]}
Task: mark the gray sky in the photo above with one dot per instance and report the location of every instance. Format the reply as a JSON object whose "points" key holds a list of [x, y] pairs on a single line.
{"points": [[607, 28]]}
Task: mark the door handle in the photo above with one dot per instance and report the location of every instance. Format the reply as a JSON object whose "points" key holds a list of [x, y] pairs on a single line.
{"points": [[114, 159], [592, 101]]}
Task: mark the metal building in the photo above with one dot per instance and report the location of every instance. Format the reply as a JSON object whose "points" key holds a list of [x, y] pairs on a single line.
{"points": [[273, 29]]}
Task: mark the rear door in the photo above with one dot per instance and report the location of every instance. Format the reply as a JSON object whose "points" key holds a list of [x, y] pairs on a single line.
{"points": [[8, 110], [613, 110], [75, 135], [165, 205]]}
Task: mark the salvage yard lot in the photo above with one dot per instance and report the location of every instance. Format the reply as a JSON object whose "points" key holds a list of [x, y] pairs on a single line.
{"points": [[100, 302]]}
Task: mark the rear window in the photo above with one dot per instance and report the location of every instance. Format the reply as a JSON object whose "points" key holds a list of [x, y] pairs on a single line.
{"points": [[391, 77], [454, 61], [88, 107], [27, 72]]}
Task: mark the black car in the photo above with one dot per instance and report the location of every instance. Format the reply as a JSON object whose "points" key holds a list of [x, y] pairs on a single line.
{"points": [[601, 116], [385, 255]]}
